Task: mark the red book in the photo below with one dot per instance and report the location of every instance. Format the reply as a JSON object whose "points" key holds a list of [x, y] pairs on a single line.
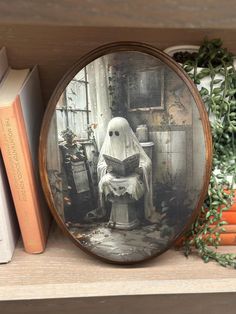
{"points": [[21, 112], [228, 238], [233, 207], [231, 228], [225, 238], [229, 217]]}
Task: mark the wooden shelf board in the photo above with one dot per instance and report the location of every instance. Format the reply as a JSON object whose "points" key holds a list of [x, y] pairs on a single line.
{"points": [[64, 271], [152, 13]]}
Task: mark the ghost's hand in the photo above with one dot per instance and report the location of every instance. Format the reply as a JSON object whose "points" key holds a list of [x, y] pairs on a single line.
{"points": [[139, 171], [109, 169]]}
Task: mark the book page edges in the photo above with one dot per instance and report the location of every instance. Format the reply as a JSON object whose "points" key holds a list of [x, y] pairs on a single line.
{"points": [[9, 230], [10, 86], [33, 111], [3, 62]]}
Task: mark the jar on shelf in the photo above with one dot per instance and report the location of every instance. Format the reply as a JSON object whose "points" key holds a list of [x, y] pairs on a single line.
{"points": [[142, 133]]}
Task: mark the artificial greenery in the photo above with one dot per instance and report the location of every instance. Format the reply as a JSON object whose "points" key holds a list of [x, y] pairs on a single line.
{"points": [[220, 100]]}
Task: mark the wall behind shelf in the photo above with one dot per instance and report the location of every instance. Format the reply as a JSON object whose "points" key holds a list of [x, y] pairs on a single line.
{"points": [[56, 48]]}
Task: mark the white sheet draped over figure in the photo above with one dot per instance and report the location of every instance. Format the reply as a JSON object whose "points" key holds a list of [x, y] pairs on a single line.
{"points": [[120, 142]]}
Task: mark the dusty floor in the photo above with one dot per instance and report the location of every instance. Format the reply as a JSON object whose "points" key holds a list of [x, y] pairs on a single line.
{"points": [[123, 246]]}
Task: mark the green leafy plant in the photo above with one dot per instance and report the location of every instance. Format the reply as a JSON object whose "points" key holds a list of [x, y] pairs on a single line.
{"points": [[214, 61]]}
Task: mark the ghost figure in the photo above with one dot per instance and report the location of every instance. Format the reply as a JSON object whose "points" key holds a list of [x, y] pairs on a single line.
{"points": [[120, 142]]}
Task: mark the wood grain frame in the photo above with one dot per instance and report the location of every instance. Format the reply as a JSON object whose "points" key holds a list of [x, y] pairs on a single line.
{"points": [[94, 54]]}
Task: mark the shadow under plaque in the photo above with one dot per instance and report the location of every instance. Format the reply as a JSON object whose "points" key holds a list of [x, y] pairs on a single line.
{"points": [[125, 152]]}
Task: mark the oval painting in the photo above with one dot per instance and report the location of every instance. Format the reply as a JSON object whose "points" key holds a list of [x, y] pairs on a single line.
{"points": [[125, 152]]}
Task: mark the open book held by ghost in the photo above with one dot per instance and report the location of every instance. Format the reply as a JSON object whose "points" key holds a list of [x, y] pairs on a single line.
{"points": [[123, 167]]}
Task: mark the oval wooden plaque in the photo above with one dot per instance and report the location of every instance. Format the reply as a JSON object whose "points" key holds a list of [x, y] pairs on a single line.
{"points": [[125, 152]]}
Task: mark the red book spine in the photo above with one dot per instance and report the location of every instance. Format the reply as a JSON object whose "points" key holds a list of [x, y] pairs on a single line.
{"points": [[229, 217], [228, 238], [20, 172], [230, 228]]}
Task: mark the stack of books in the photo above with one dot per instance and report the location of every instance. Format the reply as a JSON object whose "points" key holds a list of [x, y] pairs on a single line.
{"points": [[21, 113], [228, 236]]}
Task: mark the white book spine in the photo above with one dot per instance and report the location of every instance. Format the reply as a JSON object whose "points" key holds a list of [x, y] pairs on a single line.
{"points": [[9, 231]]}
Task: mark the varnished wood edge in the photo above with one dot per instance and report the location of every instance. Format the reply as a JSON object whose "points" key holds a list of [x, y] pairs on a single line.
{"points": [[82, 62]]}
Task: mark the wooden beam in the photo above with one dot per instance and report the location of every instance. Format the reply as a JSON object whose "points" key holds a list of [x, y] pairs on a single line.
{"points": [[153, 13]]}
